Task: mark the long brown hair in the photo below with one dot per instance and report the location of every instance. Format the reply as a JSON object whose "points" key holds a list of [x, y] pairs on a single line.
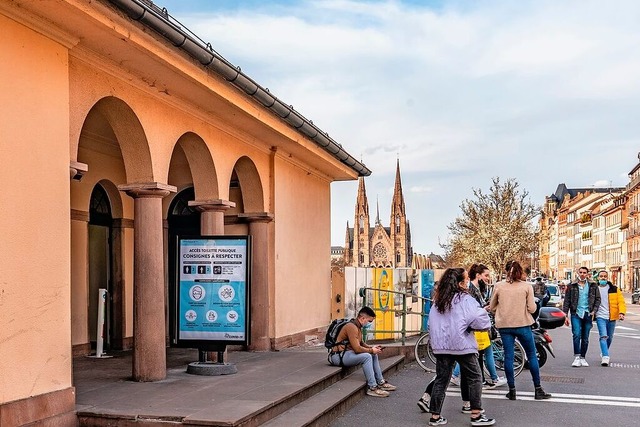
{"points": [[515, 273], [448, 287]]}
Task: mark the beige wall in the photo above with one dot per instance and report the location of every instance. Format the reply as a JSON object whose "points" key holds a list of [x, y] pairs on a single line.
{"points": [[79, 283], [75, 100], [35, 348], [302, 230]]}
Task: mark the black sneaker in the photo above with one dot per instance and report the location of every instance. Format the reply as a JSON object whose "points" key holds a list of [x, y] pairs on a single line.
{"points": [[488, 385], [423, 405], [482, 421], [439, 422], [466, 409]]}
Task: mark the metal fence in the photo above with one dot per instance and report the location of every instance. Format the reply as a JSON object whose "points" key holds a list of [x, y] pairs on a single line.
{"points": [[403, 313]]}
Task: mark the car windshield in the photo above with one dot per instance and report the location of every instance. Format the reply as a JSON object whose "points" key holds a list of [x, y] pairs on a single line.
{"points": [[553, 290]]}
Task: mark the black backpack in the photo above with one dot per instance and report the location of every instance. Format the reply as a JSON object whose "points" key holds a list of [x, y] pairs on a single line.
{"points": [[330, 339]]}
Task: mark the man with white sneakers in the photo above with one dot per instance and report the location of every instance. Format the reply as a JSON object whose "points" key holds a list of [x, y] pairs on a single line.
{"points": [[612, 308], [581, 302]]}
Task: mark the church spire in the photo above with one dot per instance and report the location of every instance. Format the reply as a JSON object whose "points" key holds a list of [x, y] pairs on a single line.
{"points": [[377, 211], [397, 206], [360, 256], [362, 205]]}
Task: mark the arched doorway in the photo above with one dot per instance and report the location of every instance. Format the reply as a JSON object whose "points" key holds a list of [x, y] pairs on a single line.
{"points": [[183, 220], [100, 262]]}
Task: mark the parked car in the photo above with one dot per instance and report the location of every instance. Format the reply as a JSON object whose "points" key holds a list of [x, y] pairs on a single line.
{"points": [[556, 298], [635, 297]]}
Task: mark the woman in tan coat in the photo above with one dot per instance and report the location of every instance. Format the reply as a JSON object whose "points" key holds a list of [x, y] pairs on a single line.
{"points": [[512, 302]]}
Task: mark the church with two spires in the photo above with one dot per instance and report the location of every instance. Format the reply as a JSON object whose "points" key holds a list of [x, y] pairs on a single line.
{"points": [[379, 246]]}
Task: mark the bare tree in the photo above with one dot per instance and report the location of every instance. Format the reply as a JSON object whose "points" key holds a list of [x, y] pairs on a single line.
{"points": [[494, 227]]}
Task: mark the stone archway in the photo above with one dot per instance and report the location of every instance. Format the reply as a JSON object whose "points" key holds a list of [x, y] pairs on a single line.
{"points": [[250, 185], [246, 190], [113, 145]]}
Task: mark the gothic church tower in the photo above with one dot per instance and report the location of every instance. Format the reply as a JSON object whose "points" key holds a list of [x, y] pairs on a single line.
{"points": [[379, 246], [400, 234]]}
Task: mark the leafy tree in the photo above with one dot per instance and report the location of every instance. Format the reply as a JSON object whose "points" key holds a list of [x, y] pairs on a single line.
{"points": [[494, 227]]}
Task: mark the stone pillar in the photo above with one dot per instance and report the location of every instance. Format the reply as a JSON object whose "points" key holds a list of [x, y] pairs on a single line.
{"points": [[212, 224], [149, 345], [212, 215], [260, 289]]}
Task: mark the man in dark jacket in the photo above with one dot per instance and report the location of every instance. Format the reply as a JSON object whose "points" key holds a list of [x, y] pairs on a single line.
{"points": [[581, 301]]}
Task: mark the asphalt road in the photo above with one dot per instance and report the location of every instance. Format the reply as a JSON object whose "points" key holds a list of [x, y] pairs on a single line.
{"points": [[594, 395]]}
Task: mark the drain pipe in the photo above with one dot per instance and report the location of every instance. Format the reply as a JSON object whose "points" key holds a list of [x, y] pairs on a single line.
{"points": [[159, 20]]}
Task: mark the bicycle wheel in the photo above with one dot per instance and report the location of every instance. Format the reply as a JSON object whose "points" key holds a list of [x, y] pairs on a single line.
{"points": [[424, 354], [518, 356]]}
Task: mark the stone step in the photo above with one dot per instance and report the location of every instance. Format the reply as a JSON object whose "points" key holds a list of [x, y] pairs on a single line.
{"points": [[264, 403], [321, 408]]}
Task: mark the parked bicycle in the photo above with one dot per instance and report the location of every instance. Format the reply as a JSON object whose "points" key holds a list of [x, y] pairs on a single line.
{"points": [[426, 359]]}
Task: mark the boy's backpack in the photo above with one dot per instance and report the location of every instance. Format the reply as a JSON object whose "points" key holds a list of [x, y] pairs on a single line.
{"points": [[330, 339]]}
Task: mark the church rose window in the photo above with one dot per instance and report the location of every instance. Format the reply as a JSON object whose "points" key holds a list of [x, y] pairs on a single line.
{"points": [[379, 251]]}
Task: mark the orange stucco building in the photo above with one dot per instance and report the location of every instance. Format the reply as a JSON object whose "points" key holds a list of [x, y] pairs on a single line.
{"points": [[120, 130]]}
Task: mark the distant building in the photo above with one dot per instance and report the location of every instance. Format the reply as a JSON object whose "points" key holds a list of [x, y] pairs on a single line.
{"points": [[581, 227], [379, 246], [337, 252], [431, 261]]}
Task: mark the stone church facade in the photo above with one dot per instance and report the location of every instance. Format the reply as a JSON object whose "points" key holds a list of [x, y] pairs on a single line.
{"points": [[379, 246]]}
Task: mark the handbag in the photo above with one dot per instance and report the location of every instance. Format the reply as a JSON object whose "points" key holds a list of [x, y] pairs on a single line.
{"points": [[482, 338], [493, 333]]}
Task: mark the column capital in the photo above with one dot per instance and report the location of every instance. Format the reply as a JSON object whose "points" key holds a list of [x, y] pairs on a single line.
{"points": [[147, 189], [216, 205], [256, 216], [77, 170]]}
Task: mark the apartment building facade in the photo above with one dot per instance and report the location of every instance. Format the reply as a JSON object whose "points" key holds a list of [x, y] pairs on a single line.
{"points": [[582, 227]]}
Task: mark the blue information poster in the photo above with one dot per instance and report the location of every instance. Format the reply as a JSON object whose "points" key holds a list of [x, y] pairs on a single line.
{"points": [[213, 290], [427, 292]]}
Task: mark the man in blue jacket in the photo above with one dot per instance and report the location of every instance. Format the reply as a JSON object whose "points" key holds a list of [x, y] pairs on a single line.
{"points": [[581, 301]]}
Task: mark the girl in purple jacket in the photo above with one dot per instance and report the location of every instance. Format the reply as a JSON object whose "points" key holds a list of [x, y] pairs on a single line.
{"points": [[453, 317]]}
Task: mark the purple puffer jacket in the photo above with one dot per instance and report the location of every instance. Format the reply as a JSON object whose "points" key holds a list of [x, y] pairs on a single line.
{"points": [[449, 332]]}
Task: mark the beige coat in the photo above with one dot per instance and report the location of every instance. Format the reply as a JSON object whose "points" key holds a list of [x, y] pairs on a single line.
{"points": [[513, 304]]}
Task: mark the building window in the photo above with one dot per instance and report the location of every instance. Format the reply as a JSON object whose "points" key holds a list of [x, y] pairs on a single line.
{"points": [[397, 224], [398, 258], [361, 258]]}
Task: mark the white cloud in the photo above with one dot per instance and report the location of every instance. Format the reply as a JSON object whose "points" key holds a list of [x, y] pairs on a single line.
{"points": [[421, 189], [538, 90]]}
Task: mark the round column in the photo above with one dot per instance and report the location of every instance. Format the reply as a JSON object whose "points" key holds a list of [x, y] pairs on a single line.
{"points": [[212, 215], [260, 286], [149, 344]]}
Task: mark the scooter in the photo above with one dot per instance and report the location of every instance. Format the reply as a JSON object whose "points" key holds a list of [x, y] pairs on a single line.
{"points": [[543, 342], [545, 318]]}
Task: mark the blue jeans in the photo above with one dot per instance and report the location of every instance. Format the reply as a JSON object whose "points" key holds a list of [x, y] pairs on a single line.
{"points": [[490, 362], [606, 328], [369, 362], [525, 337], [580, 327]]}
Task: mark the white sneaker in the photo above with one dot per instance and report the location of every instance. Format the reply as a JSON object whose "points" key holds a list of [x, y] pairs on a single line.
{"points": [[605, 361], [500, 381], [455, 381], [576, 362], [583, 362]]}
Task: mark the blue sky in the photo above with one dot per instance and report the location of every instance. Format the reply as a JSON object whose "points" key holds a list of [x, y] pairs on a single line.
{"points": [[545, 92]]}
